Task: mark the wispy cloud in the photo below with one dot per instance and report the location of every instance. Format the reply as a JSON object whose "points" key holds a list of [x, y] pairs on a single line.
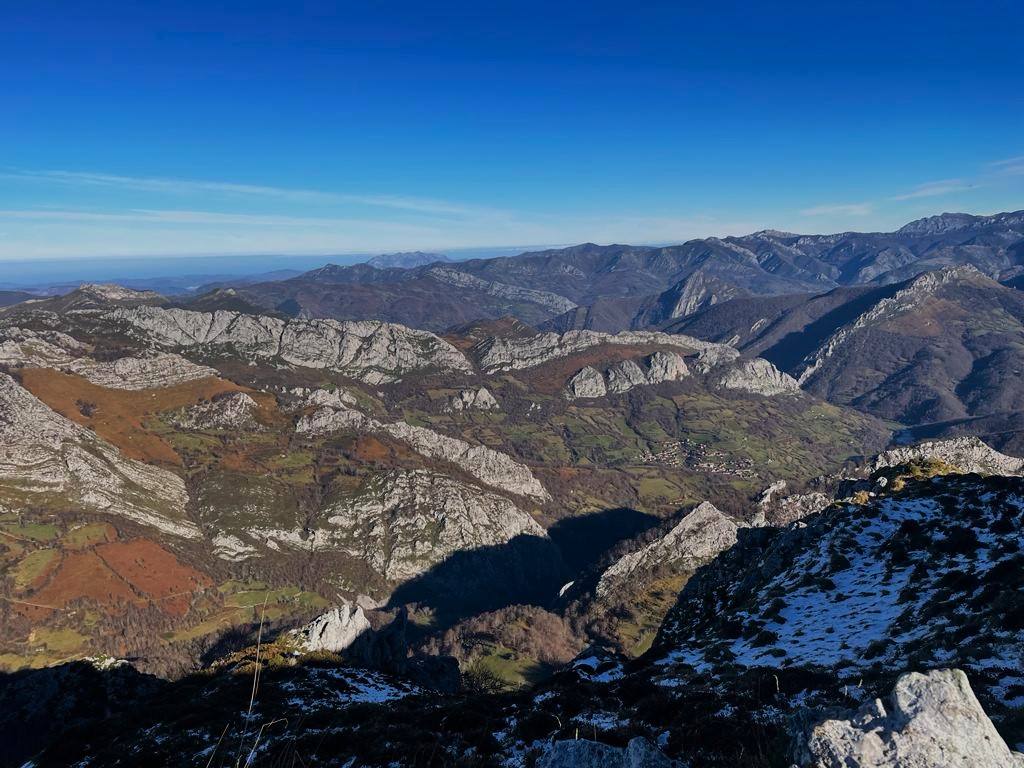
{"points": [[192, 187], [936, 189], [1011, 166], [196, 218], [839, 209]]}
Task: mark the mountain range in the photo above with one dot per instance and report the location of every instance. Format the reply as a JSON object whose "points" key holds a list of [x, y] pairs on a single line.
{"points": [[714, 504], [616, 287]]}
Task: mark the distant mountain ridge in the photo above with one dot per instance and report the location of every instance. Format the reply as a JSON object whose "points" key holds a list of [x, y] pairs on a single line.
{"points": [[615, 287], [945, 346], [406, 260]]}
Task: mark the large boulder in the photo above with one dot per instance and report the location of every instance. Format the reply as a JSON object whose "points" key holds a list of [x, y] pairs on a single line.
{"points": [[933, 720], [333, 631]]}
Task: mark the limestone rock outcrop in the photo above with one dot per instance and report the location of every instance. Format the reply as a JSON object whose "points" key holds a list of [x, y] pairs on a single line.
{"points": [[511, 353], [487, 465], [968, 454], [374, 352], [333, 631], [472, 400], [234, 410], [759, 377], [588, 382], [931, 720], [625, 375], [700, 536], [404, 522], [46, 457]]}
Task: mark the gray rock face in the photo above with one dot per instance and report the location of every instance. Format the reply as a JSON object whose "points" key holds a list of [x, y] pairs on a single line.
{"points": [[320, 398], [135, 373], [333, 631], [588, 382], [968, 453], [758, 377], [232, 411], [44, 349], [666, 366], [700, 536], [552, 301], [52, 349], [404, 522], [112, 293], [487, 465], [625, 375], [373, 352], [473, 400], [518, 353], [933, 720], [45, 457], [582, 753]]}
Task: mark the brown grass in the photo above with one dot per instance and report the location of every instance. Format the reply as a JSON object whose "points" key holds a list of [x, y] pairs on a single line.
{"points": [[81, 575], [117, 415], [154, 572]]}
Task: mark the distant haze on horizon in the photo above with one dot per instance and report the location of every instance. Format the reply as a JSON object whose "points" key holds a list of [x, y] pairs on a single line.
{"points": [[141, 132]]}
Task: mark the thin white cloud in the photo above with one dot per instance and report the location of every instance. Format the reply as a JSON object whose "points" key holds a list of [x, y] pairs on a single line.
{"points": [[144, 216], [175, 186], [1011, 166], [839, 209], [936, 189], [1008, 161]]}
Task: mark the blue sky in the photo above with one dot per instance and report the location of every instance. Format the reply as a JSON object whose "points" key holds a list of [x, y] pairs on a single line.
{"points": [[133, 129]]}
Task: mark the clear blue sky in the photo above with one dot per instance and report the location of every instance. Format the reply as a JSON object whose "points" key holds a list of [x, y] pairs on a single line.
{"points": [[240, 127]]}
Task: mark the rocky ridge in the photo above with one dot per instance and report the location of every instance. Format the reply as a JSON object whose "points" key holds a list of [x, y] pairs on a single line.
{"points": [[487, 465], [902, 302], [546, 299], [517, 353], [968, 454], [700, 536], [373, 352], [403, 522], [904, 580], [235, 410], [758, 377], [624, 376], [333, 631], [46, 456]]}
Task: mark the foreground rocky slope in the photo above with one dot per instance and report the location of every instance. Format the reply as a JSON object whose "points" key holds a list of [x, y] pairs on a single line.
{"points": [[776, 685]]}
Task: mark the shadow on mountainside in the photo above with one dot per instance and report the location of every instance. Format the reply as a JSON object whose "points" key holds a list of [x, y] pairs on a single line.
{"points": [[526, 570], [582, 540], [38, 705], [788, 351]]}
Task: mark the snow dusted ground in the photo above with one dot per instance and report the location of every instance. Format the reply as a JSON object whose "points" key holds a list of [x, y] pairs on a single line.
{"points": [[907, 580]]}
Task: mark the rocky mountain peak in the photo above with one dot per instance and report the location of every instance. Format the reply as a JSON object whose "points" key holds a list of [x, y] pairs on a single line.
{"points": [[938, 225]]}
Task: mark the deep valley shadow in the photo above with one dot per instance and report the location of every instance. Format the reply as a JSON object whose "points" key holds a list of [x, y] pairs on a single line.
{"points": [[583, 539], [527, 570]]}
